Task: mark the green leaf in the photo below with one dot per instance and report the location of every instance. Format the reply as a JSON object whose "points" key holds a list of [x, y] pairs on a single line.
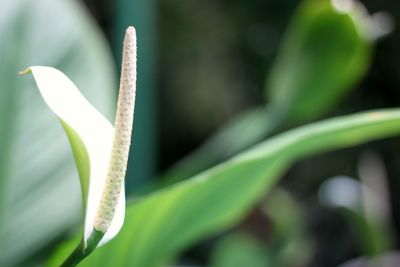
{"points": [[324, 53], [161, 224], [39, 183]]}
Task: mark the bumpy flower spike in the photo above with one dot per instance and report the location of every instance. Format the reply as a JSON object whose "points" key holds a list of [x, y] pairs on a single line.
{"points": [[113, 189], [122, 135], [100, 150]]}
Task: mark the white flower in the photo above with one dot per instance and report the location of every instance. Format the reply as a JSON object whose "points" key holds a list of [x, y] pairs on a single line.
{"points": [[100, 150]]}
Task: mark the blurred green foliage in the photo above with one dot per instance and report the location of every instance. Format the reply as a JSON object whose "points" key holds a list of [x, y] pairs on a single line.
{"points": [[284, 244], [240, 249], [323, 55], [40, 187]]}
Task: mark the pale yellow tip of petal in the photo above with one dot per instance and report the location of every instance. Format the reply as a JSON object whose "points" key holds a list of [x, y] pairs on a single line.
{"points": [[25, 71]]}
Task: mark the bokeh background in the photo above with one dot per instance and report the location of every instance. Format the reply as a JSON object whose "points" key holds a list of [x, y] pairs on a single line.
{"points": [[203, 63]]}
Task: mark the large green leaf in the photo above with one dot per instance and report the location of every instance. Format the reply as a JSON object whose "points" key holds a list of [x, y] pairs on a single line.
{"points": [[159, 225], [326, 50], [324, 53], [41, 187]]}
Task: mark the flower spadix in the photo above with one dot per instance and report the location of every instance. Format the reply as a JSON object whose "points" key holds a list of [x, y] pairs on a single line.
{"points": [[100, 150]]}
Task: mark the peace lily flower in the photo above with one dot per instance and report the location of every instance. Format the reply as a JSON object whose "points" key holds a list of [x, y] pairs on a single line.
{"points": [[100, 150]]}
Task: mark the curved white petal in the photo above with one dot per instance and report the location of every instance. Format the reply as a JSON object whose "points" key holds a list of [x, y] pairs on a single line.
{"points": [[95, 133]]}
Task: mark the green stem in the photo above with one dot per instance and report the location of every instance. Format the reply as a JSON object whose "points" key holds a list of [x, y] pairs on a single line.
{"points": [[81, 252]]}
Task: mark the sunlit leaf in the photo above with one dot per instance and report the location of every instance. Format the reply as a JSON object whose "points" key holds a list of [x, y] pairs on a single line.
{"points": [[161, 224]]}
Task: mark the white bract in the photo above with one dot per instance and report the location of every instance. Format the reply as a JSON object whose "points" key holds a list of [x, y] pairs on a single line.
{"points": [[100, 150]]}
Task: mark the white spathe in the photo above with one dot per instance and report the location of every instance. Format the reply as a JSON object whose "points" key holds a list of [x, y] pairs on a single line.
{"points": [[95, 132]]}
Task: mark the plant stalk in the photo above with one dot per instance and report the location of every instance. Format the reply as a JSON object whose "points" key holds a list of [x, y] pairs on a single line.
{"points": [[81, 252]]}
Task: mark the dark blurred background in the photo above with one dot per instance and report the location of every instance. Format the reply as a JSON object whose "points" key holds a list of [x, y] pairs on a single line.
{"points": [[211, 60]]}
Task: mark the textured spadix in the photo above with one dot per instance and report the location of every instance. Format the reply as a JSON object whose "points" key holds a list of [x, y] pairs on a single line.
{"points": [[114, 183], [100, 150]]}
